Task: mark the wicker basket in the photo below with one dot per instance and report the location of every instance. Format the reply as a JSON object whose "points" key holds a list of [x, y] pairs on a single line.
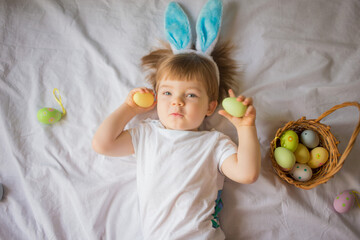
{"points": [[327, 140]]}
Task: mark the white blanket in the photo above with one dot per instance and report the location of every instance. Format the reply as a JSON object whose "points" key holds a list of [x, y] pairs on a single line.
{"points": [[299, 58]]}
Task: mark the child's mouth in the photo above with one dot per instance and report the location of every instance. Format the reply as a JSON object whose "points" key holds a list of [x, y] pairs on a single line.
{"points": [[176, 114]]}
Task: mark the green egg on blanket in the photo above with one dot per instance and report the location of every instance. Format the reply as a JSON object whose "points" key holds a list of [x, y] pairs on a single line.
{"points": [[50, 115], [234, 107]]}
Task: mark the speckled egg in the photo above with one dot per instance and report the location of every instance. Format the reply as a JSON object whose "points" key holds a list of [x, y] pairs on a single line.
{"points": [[290, 140], [318, 156], [285, 158], [310, 138], [301, 172], [344, 201], [302, 154], [48, 115]]}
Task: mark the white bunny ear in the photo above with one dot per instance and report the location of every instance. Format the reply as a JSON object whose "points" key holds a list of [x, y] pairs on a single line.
{"points": [[208, 26], [177, 28]]}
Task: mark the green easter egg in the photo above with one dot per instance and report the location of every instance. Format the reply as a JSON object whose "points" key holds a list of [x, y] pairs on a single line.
{"points": [[234, 107], [48, 115], [289, 140], [285, 158]]}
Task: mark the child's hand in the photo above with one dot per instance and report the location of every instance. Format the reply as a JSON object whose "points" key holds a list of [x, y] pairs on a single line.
{"points": [[248, 119], [130, 101]]}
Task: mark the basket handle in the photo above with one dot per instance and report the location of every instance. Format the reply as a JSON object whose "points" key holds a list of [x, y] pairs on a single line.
{"points": [[353, 136]]}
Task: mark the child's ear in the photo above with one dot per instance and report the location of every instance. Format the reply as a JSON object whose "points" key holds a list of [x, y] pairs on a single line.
{"points": [[212, 107]]}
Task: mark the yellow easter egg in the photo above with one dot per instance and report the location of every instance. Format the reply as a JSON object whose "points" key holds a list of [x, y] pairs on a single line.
{"points": [[302, 154], [318, 156], [144, 100]]}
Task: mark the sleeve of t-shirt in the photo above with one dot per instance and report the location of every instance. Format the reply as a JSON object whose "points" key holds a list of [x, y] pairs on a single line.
{"points": [[224, 148]]}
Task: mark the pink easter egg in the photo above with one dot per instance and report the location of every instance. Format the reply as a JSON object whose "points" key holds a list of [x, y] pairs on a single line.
{"points": [[344, 201]]}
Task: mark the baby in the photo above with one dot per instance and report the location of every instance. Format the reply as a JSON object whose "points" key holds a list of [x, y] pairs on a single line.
{"points": [[180, 170]]}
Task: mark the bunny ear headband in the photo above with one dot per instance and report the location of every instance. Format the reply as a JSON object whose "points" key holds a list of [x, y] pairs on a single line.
{"points": [[178, 31]]}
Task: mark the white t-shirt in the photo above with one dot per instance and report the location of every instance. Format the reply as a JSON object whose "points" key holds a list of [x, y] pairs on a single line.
{"points": [[178, 178]]}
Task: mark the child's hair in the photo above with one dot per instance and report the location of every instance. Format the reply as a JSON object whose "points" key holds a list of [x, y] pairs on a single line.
{"points": [[191, 66]]}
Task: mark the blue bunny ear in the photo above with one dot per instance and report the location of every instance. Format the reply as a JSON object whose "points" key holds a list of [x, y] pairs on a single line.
{"points": [[177, 27], [208, 26]]}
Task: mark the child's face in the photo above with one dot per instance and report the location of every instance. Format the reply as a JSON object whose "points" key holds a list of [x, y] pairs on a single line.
{"points": [[183, 105]]}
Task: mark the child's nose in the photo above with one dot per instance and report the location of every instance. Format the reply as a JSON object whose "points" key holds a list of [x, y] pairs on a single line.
{"points": [[178, 101]]}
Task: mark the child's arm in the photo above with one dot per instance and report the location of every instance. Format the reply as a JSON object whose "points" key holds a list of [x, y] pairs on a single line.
{"points": [[110, 138], [244, 167]]}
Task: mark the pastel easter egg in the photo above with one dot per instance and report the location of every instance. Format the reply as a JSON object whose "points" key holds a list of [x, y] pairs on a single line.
{"points": [[310, 138], [302, 154], [285, 158], [234, 107], [301, 172], [143, 100], [48, 115], [344, 201], [290, 140], [318, 156]]}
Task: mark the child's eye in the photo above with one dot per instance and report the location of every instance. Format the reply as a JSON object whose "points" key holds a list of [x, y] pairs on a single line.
{"points": [[167, 93], [191, 95]]}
